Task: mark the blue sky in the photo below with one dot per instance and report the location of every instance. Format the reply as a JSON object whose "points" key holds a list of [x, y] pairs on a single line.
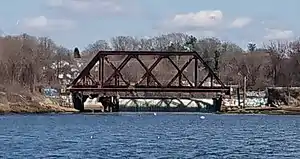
{"points": [[80, 22]]}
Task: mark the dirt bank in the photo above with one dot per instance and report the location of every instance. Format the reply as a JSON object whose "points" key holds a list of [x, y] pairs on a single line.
{"points": [[283, 110], [29, 103]]}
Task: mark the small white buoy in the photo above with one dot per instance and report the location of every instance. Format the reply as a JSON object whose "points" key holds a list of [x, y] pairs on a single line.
{"points": [[158, 137], [91, 137], [154, 114], [202, 117]]}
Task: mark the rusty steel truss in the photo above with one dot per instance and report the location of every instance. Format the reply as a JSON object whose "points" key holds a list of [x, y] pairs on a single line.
{"points": [[86, 82]]}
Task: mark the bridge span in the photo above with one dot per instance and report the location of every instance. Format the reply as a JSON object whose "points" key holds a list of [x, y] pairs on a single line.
{"points": [[114, 75]]}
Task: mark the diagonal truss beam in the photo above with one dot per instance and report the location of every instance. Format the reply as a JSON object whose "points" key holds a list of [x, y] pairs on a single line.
{"points": [[86, 69], [117, 70], [148, 72], [209, 69], [180, 72], [104, 85]]}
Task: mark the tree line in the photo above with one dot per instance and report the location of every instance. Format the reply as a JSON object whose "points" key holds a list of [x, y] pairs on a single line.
{"points": [[27, 61]]}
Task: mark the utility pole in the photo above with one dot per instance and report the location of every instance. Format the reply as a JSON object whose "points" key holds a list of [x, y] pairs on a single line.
{"points": [[244, 92]]}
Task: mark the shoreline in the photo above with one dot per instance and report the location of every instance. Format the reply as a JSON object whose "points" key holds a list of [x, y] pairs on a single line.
{"points": [[285, 110], [262, 113], [237, 112], [35, 109], [37, 112]]}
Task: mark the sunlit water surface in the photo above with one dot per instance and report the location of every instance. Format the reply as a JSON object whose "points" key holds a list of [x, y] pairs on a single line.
{"points": [[160, 135]]}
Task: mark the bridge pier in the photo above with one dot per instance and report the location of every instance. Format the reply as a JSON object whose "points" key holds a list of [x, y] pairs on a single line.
{"points": [[77, 99], [217, 103], [115, 104], [110, 103]]}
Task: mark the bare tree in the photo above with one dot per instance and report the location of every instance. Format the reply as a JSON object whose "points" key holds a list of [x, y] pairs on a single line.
{"points": [[94, 48], [29, 61]]}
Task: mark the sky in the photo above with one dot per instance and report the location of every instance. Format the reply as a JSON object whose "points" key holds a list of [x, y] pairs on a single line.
{"points": [[77, 23]]}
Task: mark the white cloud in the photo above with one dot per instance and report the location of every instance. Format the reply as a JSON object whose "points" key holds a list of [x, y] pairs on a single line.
{"points": [[277, 34], [203, 23], [240, 22], [198, 20], [41, 23], [86, 6]]}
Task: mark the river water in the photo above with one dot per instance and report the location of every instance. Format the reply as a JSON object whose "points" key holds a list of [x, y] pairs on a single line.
{"points": [[160, 135]]}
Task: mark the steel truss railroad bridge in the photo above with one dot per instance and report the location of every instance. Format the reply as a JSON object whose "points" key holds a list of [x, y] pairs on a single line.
{"points": [[113, 83]]}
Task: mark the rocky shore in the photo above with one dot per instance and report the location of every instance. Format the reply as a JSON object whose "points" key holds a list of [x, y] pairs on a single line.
{"points": [[33, 103], [283, 110]]}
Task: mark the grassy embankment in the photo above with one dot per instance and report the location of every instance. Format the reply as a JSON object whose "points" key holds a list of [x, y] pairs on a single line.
{"points": [[29, 103]]}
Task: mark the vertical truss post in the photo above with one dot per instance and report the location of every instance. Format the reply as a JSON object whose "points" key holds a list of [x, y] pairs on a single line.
{"points": [[116, 80], [211, 79], [180, 73], [100, 71], [148, 78], [180, 79], [196, 73]]}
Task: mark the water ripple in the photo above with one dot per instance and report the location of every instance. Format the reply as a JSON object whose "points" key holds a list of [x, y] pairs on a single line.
{"points": [[149, 136]]}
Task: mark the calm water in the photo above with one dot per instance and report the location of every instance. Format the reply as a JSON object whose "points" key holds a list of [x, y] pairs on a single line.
{"points": [[149, 136]]}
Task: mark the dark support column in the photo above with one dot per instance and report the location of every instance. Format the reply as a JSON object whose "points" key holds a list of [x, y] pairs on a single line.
{"points": [[115, 104], [77, 99], [218, 104], [238, 96]]}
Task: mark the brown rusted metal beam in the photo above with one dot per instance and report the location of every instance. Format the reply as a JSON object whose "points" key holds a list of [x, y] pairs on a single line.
{"points": [[209, 69], [149, 73], [117, 70], [202, 82], [180, 72], [87, 69], [161, 53], [105, 86], [188, 90], [102, 70], [150, 70], [196, 73]]}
